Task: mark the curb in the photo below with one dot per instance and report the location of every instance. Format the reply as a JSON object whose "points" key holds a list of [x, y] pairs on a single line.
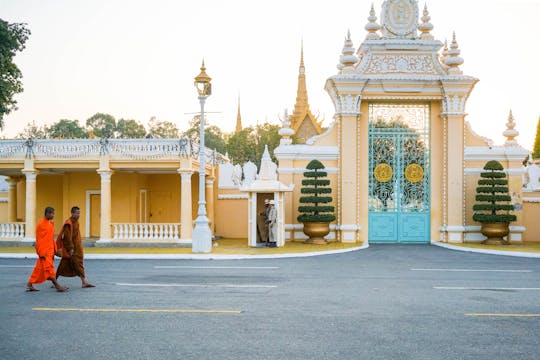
{"points": [[486, 251], [190, 256]]}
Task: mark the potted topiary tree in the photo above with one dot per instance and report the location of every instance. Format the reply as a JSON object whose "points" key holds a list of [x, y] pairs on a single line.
{"points": [[492, 209], [317, 216]]}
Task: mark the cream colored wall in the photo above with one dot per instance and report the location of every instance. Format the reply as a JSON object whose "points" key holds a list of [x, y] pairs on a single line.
{"points": [[473, 139], [436, 169], [49, 192], [125, 197], [530, 217], [231, 215]]}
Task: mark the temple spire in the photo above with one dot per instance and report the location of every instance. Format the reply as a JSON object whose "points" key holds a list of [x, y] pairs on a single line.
{"points": [[238, 118], [301, 106]]}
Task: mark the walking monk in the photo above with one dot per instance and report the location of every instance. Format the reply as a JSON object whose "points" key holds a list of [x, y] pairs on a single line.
{"points": [[45, 249], [72, 263]]}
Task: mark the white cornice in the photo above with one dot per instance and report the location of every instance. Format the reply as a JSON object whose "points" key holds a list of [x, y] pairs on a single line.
{"points": [[473, 171], [531, 199], [232, 196], [306, 152], [510, 153]]}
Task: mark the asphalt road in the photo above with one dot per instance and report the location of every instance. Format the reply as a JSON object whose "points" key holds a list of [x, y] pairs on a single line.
{"points": [[386, 302]]}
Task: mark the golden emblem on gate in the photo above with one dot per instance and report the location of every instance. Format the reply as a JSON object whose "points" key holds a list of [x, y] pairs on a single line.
{"points": [[383, 172], [414, 173]]}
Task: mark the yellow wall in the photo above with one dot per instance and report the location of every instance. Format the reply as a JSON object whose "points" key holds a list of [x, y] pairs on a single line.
{"points": [[164, 198], [436, 171], [231, 216], [49, 193], [3, 207]]}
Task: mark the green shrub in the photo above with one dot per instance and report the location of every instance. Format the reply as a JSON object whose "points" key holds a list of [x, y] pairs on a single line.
{"points": [[492, 193], [313, 186]]}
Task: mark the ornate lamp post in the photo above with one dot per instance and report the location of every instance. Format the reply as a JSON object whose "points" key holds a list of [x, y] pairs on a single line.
{"points": [[202, 235]]}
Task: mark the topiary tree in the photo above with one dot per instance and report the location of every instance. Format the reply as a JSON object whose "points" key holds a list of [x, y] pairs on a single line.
{"points": [[314, 186], [492, 195]]}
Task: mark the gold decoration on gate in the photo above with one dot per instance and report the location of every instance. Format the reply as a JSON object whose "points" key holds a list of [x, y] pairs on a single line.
{"points": [[383, 172], [414, 173]]}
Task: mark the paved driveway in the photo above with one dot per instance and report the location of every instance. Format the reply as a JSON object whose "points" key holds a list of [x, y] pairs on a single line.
{"points": [[386, 302]]}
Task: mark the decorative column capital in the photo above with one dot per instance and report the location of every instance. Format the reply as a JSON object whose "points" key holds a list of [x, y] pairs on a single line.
{"points": [[105, 174], [185, 174], [30, 174]]}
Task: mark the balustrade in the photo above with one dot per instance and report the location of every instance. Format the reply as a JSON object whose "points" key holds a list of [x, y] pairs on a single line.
{"points": [[12, 231], [146, 231]]}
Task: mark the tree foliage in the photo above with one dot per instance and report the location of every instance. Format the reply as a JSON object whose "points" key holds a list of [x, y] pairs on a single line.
{"points": [[248, 144], [33, 131], [492, 193], [101, 125], [213, 136], [536, 147], [314, 186], [162, 129], [129, 129], [12, 39], [66, 129]]}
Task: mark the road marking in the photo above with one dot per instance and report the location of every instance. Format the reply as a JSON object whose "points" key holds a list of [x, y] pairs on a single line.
{"points": [[17, 266], [504, 315], [474, 270], [480, 288], [216, 267], [199, 285], [143, 310]]}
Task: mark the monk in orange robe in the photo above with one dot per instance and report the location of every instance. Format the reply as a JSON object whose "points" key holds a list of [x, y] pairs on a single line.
{"points": [[45, 249], [72, 263]]}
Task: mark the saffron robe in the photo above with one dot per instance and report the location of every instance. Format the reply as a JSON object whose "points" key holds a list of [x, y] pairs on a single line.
{"points": [[45, 249], [73, 265]]}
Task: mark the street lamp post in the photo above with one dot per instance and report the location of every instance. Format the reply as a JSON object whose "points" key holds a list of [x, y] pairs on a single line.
{"points": [[202, 235]]}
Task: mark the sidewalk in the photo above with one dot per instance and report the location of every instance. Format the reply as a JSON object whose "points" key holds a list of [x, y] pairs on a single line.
{"points": [[223, 249], [227, 249], [528, 249]]}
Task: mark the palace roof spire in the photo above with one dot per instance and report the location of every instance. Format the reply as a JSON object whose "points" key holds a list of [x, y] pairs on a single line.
{"points": [[372, 26], [347, 60], [453, 60], [425, 27], [238, 118]]}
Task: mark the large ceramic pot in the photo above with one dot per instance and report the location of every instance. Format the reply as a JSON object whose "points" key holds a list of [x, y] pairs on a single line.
{"points": [[495, 233], [316, 232]]}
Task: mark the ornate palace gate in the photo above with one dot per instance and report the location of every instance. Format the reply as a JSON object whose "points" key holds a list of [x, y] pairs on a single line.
{"points": [[399, 196]]}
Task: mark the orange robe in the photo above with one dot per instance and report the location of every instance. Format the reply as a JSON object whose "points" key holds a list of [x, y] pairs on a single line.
{"points": [[71, 240], [45, 249]]}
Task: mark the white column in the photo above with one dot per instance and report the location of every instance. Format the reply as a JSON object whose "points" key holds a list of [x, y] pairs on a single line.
{"points": [[105, 229], [186, 217], [210, 202], [12, 199], [30, 213]]}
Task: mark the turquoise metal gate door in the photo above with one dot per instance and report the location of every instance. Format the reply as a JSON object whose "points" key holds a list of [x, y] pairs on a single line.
{"points": [[399, 196]]}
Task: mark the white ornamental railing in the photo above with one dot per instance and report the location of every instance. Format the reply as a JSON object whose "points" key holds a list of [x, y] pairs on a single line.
{"points": [[135, 149], [11, 230], [146, 231]]}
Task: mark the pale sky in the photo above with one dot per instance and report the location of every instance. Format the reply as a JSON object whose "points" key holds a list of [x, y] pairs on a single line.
{"points": [[137, 59]]}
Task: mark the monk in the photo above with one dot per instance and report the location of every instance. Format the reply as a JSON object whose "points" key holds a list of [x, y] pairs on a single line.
{"points": [[45, 249], [72, 263]]}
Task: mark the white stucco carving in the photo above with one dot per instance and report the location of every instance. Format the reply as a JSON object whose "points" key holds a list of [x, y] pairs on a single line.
{"points": [[250, 173], [237, 175], [399, 18], [225, 179], [531, 178], [454, 104], [387, 64]]}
